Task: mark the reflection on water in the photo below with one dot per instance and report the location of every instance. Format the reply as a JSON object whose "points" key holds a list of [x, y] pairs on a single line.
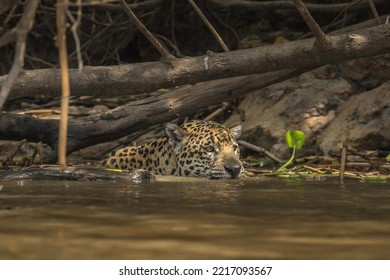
{"points": [[263, 218]]}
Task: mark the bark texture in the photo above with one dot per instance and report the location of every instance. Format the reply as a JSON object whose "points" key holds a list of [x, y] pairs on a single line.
{"points": [[139, 78]]}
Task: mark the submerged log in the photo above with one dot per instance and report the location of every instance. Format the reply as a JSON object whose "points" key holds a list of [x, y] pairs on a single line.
{"points": [[73, 173]]}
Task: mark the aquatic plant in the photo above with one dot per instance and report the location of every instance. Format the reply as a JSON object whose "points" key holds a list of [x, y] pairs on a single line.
{"points": [[295, 139]]}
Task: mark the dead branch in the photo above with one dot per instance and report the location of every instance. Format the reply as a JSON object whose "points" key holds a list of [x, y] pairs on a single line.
{"points": [[6, 5], [217, 112], [18, 34], [360, 25], [75, 24], [65, 93], [342, 163], [209, 25], [260, 150], [289, 5], [146, 5], [141, 27], [313, 25], [147, 77], [374, 11]]}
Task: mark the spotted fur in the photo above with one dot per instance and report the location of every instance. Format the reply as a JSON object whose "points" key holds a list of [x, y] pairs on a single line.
{"points": [[197, 148]]}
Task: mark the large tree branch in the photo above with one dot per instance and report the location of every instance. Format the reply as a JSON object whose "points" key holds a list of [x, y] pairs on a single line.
{"points": [[146, 77]]}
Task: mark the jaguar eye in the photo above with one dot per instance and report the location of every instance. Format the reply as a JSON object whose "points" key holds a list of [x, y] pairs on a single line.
{"points": [[209, 149]]}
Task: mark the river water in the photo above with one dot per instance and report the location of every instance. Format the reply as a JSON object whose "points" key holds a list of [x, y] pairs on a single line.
{"points": [[256, 218]]}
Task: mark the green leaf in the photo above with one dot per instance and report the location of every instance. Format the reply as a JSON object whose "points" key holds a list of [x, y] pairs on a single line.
{"points": [[388, 157], [289, 140], [295, 138]]}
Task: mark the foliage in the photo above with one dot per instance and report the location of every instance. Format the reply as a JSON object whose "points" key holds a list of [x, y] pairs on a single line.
{"points": [[295, 139]]}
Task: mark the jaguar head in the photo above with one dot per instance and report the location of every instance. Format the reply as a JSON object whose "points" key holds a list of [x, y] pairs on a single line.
{"points": [[206, 149]]}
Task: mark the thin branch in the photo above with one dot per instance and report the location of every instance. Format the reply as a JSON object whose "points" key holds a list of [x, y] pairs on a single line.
{"points": [[6, 5], [374, 11], [342, 15], [289, 5], [313, 25], [260, 150], [209, 25], [342, 162], [153, 40], [316, 170], [18, 33], [75, 25], [106, 6], [63, 58], [217, 112], [361, 25]]}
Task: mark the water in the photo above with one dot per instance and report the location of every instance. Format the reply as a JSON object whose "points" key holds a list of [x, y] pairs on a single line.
{"points": [[260, 218]]}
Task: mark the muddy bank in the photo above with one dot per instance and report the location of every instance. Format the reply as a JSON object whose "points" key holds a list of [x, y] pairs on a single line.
{"points": [[331, 105]]}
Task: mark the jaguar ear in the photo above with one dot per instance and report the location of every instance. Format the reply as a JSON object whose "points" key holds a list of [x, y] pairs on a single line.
{"points": [[174, 132], [236, 131]]}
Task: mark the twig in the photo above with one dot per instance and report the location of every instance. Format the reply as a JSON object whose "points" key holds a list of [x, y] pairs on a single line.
{"points": [[289, 5], [153, 40], [13, 6], [313, 25], [18, 33], [215, 15], [220, 110], [260, 150], [7, 5], [62, 53], [343, 12], [209, 26], [146, 5], [95, 38], [316, 170], [75, 25], [365, 155], [374, 11], [172, 25], [342, 162], [9, 159], [40, 152]]}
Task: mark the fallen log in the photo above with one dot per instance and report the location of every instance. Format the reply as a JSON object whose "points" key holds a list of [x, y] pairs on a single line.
{"points": [[134, 116], [139, 78]]}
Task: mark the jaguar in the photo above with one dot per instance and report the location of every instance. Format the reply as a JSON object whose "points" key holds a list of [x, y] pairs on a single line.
{"points": [[196, 148]]}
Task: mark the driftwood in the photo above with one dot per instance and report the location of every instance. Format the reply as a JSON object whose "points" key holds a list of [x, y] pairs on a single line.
{"points": [[146, 77]]}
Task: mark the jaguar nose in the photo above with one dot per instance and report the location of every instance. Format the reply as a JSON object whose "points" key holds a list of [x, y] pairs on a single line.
{"points": [[233, 170]]}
